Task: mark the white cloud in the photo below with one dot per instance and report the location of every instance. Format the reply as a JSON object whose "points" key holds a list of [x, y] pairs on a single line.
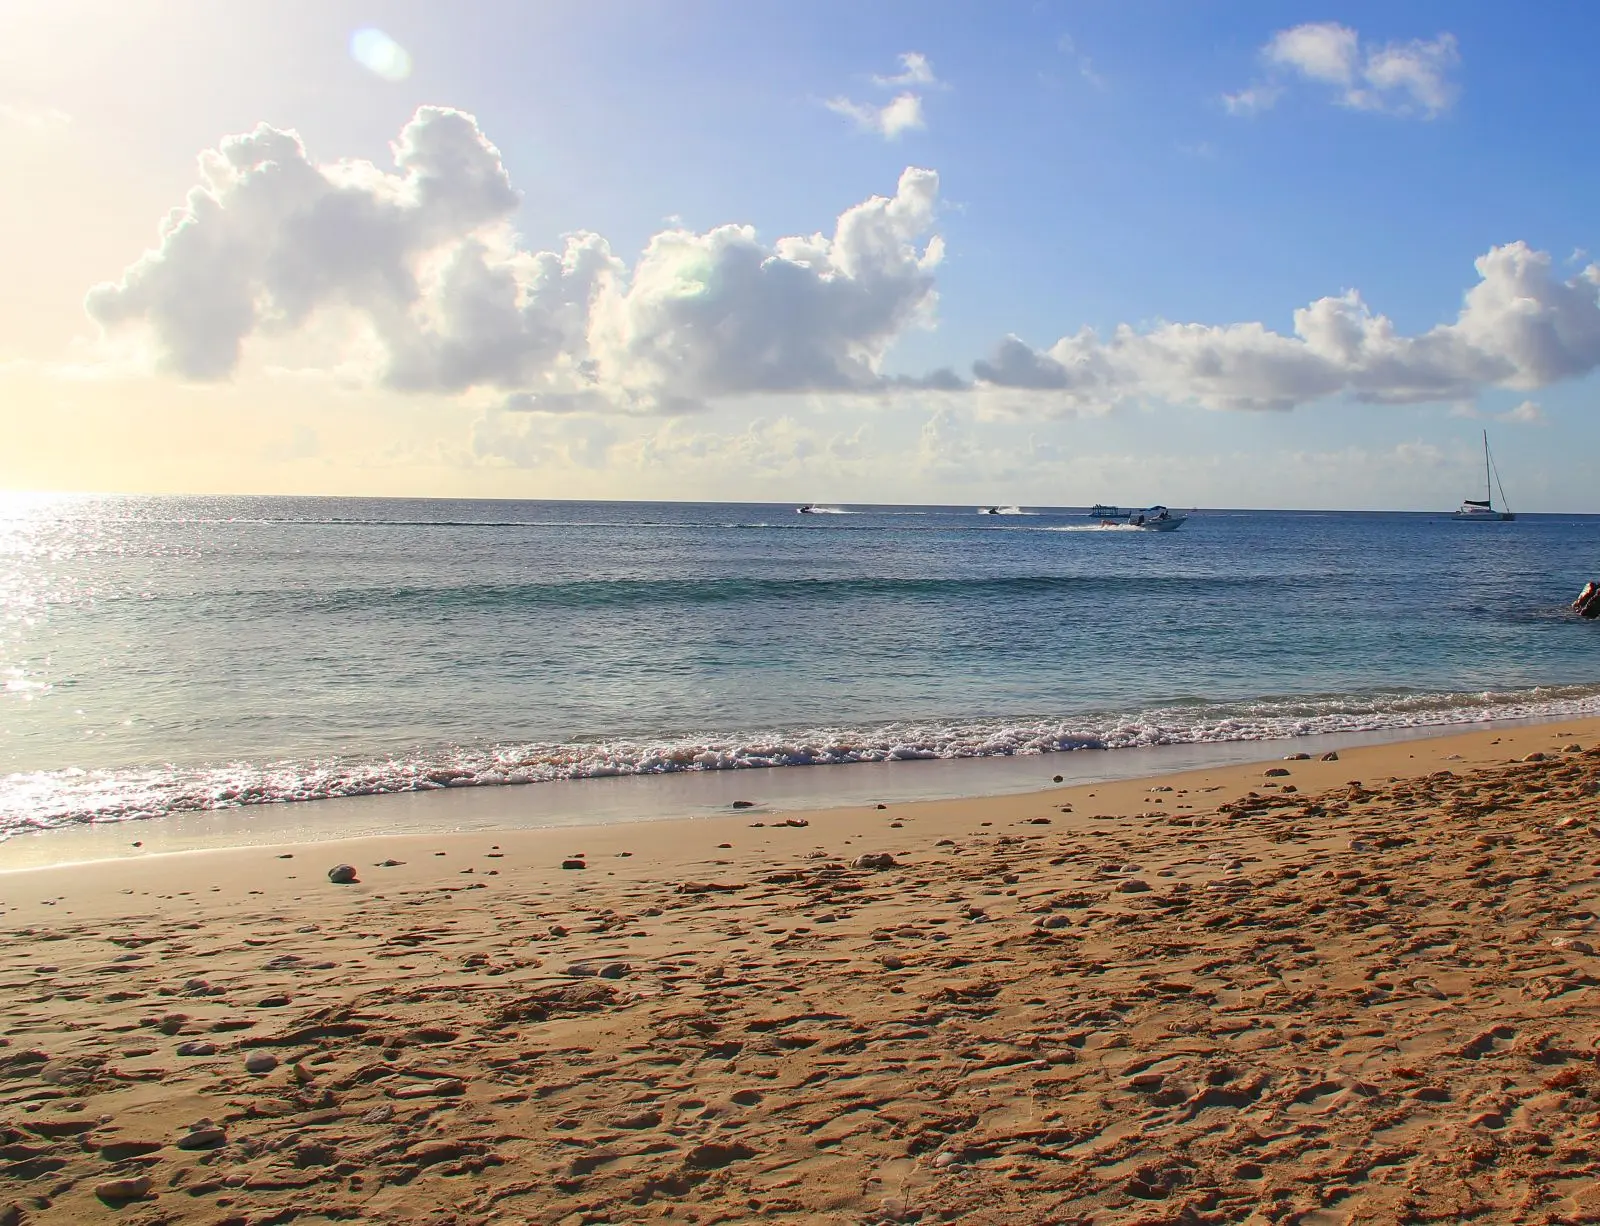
{"points": [[1528, 413], [1402, 78], [36, 119], [1322, 51], [1520, 327], [914, 70], [901, 114], [1253, 100], [271, 242]]}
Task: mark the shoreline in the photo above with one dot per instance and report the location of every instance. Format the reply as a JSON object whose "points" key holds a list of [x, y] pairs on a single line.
{"points": [[1301, 991], [691, 796]]}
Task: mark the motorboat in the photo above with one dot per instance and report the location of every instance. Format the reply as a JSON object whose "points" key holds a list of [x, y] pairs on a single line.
{"points": [[807, 509], [1156, 519], [988, 510], [1483, 509]]}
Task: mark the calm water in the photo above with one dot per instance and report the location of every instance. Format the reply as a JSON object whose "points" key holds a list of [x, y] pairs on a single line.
{"points": [[164, 654]]}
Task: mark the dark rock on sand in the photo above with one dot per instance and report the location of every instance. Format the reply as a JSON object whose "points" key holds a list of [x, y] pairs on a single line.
{"points": [[343, 874], [573, 864], [874, 860]]}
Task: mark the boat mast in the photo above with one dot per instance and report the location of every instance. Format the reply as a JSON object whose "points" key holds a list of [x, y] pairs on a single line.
{"points": [[1488, 490], [1506, 506]]}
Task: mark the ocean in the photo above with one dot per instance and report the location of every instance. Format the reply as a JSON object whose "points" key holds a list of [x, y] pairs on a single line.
{"points": [[165, 655]]}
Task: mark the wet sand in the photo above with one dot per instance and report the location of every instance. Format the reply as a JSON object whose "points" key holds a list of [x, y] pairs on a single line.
{"points": [[1358, 991]]}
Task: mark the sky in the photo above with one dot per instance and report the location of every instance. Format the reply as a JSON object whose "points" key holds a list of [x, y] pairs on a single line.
{"points": [[1206, 254]]}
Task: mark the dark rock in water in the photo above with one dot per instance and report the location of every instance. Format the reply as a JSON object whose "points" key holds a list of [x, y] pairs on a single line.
{"points": [[1330, 756], [573, 864], [343, 874], [1297, 757], [744, 804], [1587, 605], [875, 860], [883, 806], [1056, 779]]}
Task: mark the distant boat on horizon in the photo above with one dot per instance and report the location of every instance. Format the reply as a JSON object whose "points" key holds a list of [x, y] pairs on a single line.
{"points": [[1483, 509]]}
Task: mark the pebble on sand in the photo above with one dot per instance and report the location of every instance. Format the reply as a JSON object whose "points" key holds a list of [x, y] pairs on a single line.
{"points": [[117, 1190], [1132, 886], [874, 860], [260, 1062], [343, 874], [573, 864], [203, 1135], [1330, 756]]}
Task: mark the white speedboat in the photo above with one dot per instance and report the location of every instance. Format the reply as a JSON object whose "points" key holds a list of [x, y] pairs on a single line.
{"points": [[1156, 519], [1483, 509]]}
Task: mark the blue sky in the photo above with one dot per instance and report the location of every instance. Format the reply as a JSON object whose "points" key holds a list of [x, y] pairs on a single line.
{"points": [[1098, 165]]}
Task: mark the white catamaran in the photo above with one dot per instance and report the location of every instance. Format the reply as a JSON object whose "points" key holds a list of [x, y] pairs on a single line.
{"points": [[1472, 508]]}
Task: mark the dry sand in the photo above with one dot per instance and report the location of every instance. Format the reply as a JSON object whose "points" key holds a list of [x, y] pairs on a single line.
{"points": [[1215, 997]]}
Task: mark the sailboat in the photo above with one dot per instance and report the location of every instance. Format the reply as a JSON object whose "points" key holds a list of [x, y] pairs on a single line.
{"points": [[1472, 508]]}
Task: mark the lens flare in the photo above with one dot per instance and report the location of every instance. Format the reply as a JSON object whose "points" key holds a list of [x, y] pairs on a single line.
{"points": [[378, 53]]}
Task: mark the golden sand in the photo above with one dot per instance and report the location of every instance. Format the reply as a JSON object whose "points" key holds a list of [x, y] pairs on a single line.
{"points": [[1359, 991]]}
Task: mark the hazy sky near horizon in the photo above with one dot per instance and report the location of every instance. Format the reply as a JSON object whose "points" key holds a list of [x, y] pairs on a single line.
{"points": [[1245, 254]]}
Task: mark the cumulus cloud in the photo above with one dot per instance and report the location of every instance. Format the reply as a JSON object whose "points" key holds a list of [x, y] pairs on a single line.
{"points": [[1400, 78], [900, 114], [914, 70], [1520, 326], [425, 253]]}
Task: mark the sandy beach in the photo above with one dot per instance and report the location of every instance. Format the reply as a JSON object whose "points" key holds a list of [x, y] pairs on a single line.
{"points": [[1290, 991]]}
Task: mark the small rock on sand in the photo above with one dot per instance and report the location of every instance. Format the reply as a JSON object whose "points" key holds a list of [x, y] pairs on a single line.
{"points": [[204, 1135], [874, 860], [1536, 756], [1132, 886], [199, 1047], [892, 962], [1297, 757], [614, 970], [260, 1062], [117, 1190], [573, 864], [1572, 945], [1052, 921], [1277, 772], [1330, 756], [343, 874]]}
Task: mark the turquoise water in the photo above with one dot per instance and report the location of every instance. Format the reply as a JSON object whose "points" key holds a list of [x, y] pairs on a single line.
{"points": [[174, 654]]}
